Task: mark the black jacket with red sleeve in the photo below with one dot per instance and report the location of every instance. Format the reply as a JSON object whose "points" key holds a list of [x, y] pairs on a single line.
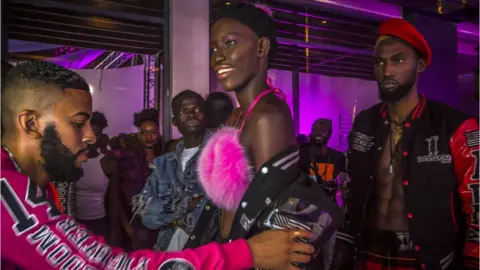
{"points": [[441, 180]]}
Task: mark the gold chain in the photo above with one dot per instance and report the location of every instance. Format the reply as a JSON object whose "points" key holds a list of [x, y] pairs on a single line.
{"points": [[397, 134]]}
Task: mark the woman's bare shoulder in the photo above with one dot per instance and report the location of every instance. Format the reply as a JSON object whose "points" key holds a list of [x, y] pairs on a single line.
{"points": [[273, 108]]}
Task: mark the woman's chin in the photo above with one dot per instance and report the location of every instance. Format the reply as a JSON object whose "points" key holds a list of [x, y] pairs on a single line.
{"points": [[228, 89], [228, 85]]}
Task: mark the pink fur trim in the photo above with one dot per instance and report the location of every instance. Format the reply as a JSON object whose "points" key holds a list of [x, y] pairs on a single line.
{"points": [[223, 168]]}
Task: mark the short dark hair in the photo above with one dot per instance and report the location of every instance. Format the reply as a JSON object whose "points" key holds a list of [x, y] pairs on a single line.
{"points": [[32, 85], [31, 73], [186, 94], [146, 115], [99, 120], [256, 17]]}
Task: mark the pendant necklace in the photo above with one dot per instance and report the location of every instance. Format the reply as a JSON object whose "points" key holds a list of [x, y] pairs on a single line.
{"points": [[395, 137]]}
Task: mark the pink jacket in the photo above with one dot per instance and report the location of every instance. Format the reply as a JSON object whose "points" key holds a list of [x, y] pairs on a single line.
{"points": [[35, 235]]}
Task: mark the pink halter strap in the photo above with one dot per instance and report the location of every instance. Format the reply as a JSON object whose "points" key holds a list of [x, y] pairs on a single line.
{"points": [[278, 92]]}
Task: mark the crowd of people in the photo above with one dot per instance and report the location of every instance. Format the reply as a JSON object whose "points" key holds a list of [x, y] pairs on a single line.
{"points": [[239, 190]]}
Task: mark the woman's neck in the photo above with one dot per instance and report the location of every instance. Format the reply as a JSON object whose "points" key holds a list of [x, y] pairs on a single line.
{"points": [[150, 153], [247, 94]]}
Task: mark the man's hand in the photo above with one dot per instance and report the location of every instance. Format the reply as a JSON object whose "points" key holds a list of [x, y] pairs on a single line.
{"points": [[279, 248]]}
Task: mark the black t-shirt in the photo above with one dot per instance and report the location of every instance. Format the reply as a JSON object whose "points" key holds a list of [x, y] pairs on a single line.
{"points": [[325, 167]]}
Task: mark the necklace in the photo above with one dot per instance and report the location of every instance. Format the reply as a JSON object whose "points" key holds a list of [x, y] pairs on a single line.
{"points": [[395, 137], [397, 133], [55, 195], [12, 158]]}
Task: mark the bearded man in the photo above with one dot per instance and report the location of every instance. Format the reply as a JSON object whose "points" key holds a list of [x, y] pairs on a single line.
{"points": [[413, 164], [46, 112]]}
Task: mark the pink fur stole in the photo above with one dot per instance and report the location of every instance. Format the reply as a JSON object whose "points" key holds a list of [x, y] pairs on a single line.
{"points": [[223, 168]]}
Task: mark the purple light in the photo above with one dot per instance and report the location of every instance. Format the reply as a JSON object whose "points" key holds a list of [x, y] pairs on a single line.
{"points": [[65, 50], [321, 46], [331, 97], [316, 17], [387, 10], [468, 28], [373, 7], [87, 59], [380, 10], [82, 58], [467, 48], [319, 28], [286, 43]]}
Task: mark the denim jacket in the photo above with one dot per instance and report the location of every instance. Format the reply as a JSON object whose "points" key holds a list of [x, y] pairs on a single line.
{"points": [[168, 193]]}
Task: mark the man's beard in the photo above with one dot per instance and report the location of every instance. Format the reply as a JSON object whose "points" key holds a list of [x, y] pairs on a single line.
{"points": [[58, 160], [397, 94]]}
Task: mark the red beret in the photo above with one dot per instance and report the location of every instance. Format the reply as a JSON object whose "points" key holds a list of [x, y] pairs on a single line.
{"points": [[404, 30]]}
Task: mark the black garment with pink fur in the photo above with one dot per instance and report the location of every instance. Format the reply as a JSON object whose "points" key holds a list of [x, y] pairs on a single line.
{"points": [[280, 196]]}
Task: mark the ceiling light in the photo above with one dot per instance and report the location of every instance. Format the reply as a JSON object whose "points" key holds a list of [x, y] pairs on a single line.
{"points": [[324, 22]]}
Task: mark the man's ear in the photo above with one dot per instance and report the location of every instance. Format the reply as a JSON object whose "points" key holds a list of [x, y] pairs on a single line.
{"points": [[29, 123], [174, 122], [421, 66], [263, 47]]}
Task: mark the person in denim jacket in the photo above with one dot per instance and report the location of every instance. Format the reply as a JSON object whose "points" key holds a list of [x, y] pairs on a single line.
{"points": [[171, 197]]}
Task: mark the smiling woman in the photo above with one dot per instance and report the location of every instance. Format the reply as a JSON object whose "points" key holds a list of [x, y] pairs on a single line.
{"points": [[261, 142], [242, 45], [243, 42], [28, 212]]}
